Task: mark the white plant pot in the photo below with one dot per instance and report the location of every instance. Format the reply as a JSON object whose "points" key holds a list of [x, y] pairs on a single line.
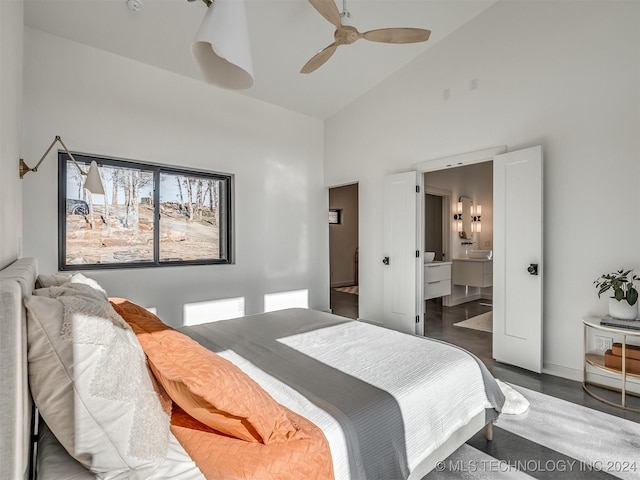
{"points": [[622, 309]]}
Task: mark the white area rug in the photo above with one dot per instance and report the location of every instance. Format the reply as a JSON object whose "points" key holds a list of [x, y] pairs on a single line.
{"points": [[469, 463], [607, 443], [610, 444], [483, 322], [353, 289]]}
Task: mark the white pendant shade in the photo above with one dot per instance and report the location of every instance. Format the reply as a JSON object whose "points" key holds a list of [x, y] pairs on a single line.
{"points": [[221, 47], [93, 182]]}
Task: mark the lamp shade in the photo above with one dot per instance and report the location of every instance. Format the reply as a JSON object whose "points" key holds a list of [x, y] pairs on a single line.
{"points": [[93, 182], [221, 47]]}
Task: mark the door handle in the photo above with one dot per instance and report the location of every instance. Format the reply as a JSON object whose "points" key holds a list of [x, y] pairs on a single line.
{"points": [[533, 269], [385, 260]]}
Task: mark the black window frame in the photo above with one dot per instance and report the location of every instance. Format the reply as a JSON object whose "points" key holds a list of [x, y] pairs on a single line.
{"points": [[226, 208]]}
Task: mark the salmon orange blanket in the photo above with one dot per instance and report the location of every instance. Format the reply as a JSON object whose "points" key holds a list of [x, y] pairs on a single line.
{"points": [[228, 424]]}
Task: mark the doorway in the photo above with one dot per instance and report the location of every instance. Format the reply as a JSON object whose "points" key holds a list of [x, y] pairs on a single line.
{"points": [[518, 238], [344, 250], [458, 221]]}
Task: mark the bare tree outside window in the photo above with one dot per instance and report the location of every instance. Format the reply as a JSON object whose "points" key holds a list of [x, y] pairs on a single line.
{"points": [[149, 215], [188, 230]]}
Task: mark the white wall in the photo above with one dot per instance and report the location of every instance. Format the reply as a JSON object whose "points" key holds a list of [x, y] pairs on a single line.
{"points": [[11, 29], [561, 74], [103, 104]]}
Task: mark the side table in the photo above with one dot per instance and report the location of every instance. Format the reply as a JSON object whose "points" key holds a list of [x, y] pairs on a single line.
{"points": [[597, 361]]}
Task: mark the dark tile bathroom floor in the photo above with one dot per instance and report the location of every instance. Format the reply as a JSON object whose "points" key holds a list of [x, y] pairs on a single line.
{"points": [[439, 323]]}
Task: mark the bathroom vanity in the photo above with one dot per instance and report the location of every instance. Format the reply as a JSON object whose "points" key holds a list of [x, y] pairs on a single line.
{"points": [[473, 272], [437, 279]]}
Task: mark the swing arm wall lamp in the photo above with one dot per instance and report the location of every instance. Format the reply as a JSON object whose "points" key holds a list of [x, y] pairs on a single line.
{"points": [[93, 183]]}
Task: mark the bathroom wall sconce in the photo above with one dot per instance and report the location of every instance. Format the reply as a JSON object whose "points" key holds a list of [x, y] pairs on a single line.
{"points": [[458, 217], [476, 224], [93, 183], [467, 218]]}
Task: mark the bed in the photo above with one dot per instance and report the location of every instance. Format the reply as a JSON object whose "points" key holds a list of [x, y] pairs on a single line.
{"points": [[387, 405]]}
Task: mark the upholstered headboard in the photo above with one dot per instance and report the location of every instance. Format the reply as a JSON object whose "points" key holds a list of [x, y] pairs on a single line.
{"points": [[16, 281]]}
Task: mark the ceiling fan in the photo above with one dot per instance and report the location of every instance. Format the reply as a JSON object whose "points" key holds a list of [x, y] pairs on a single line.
{"points": [[346, 34]]}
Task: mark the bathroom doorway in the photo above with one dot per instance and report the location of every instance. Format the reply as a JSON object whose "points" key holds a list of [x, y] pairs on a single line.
{"points": [[344, 287], [517, 233], [464, 315]]}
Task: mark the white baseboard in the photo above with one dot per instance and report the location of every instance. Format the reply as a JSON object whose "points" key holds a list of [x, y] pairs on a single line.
{"points": [[594, 375], [564, 372], [601, 377]]}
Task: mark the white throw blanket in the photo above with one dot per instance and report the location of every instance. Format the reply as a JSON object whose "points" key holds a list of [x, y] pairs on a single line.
{"points": [[515, 403]]}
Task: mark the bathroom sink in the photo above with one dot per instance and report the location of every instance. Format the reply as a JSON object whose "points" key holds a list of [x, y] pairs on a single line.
{"points": [[429, 256], [481, 254]]}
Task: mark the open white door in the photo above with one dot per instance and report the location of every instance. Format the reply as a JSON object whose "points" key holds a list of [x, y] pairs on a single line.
{"points": [[517, 261], [402, 253]]}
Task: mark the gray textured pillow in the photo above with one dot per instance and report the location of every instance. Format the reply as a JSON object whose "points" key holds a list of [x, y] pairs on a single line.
{"points": [[59, 279], [89, 380], [52, 280]]}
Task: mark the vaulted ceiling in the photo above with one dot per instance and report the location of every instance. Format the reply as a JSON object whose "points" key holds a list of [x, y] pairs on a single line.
{"points": [[284, 34]]}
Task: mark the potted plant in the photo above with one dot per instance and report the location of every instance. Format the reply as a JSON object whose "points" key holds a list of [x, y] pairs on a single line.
{"points": [[623, 303]]}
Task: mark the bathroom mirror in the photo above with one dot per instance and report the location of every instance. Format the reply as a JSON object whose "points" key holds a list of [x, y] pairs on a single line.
{"points": [[464, 225]]}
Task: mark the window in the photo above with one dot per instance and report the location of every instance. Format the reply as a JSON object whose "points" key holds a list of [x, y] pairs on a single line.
{"points": [[150, 215]]}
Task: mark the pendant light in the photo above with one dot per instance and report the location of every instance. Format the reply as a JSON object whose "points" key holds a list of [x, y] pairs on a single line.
{"points": [[221, 47]]}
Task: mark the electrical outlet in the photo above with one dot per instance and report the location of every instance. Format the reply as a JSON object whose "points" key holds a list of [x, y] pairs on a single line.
{"points": [[603, 343]]}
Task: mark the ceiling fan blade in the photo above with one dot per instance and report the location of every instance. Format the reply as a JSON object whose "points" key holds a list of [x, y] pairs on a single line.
{"points": [[329, 10], [397, 35], [319, 59]]}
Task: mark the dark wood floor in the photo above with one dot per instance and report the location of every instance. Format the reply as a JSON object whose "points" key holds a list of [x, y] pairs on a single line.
{"points": [[344, 304], [439, 322]]}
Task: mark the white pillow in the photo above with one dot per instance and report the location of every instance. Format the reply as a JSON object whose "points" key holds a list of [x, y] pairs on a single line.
{"points": [[89, 380]]}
